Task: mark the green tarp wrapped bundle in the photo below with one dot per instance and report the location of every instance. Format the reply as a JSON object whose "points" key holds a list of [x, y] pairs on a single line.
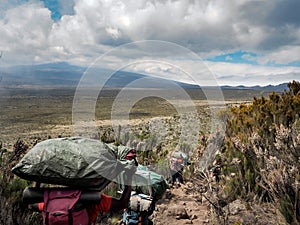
{"points": [[77, 162], [144, 180], [120, 151], [148, 182]]}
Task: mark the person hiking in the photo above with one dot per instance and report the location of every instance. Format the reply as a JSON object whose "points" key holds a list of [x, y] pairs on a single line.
{"points": [[177, 162], [148, 188], [176, 175], [217, 169], [105, 204]]}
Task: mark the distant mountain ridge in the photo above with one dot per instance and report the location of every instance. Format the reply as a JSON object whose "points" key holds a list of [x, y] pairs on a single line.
{"points": [[64, 74], [279, 87]]}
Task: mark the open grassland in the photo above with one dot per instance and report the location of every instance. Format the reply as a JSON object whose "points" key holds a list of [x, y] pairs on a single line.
{"points": [[34, 114]]}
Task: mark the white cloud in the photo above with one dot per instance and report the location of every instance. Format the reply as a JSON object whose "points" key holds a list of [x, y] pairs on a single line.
{"points": [[66, 7], [284, 55], [24, 32], [246, 74], [89, 28]]}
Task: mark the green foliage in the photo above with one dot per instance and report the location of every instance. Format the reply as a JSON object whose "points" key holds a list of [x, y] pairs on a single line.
{"points": [[232, 189], [286, 208], [237, 223], [15, 189], [107, 136], [11, 187], [114, 220], [254, 133], [294, 86], [112, 190]]}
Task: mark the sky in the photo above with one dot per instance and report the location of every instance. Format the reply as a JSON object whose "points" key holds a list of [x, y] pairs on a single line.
{"points": [[241, 42]]}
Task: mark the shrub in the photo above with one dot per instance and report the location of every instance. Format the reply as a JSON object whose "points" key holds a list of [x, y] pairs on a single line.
{"points": [[263, 136]]}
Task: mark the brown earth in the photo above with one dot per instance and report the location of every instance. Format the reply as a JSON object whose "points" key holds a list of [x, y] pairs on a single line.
{"points": [[181, 207], [44, 117], [191, 203], [186, 205]]}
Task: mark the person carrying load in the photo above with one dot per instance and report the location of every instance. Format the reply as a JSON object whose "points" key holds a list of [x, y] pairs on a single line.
{"points": [[79, 204], [147, 188], [178, 161], [216, 170]]}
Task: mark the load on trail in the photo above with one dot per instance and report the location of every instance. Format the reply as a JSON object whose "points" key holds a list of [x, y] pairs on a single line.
{"points": [[181, 157], [149, 183], [148, 187], [75, 162], [178, 161], [86, 166], [140, 208], [144, 181]]}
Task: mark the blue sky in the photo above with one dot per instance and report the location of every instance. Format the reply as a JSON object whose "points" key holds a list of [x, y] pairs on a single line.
{"points": [[59, 8], [244, 42], [54, 7], [236, 57]]}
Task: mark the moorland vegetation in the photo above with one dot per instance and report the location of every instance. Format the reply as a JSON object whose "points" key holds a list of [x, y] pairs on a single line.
{"points": [[263, 136]]}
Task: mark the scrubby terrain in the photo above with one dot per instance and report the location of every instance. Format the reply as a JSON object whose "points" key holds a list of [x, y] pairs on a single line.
{"points": [[259, 150]]}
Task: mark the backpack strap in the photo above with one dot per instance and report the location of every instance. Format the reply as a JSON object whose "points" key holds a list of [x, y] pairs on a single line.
{"points": [[47, 218], [140, 219], [70, 217]]}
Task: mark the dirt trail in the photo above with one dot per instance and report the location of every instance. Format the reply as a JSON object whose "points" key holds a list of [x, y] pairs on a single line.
{"points": [[186, 205], [182, 205]]}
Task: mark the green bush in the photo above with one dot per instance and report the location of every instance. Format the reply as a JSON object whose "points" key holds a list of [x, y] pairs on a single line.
{"points": [[286, 208], [256, 136]]}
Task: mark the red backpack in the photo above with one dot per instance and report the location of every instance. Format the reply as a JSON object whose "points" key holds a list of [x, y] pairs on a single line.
{"points": [[61, 207]]}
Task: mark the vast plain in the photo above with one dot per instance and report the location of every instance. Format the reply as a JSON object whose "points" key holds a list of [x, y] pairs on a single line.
{"points": [[33, 114]]}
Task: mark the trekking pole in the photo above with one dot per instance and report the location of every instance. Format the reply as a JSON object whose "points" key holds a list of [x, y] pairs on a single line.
{"points": [[150, 186]]}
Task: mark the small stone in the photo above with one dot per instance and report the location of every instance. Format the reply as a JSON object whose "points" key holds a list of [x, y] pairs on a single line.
{"points": [[193, 217]]}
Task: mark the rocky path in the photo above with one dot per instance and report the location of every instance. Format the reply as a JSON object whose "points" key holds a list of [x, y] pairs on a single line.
{"points": [[186, 205], [182, 206]]}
